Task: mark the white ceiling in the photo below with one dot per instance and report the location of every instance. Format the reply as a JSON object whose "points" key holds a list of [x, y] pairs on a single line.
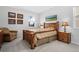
{"points": [[36, 9]]}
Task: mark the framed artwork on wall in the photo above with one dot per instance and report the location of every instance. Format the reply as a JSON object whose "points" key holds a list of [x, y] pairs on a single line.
{"points": [[11, 21], [19, 21], [15, 18], [11, 14], [20, 16], [31, 24], [51, 18]]}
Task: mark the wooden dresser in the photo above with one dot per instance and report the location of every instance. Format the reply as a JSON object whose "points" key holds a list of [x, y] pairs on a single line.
{"points": [[1, 38], [65, 37]]}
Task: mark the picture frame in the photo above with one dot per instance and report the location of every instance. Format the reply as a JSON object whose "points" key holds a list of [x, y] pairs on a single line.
{"points": [[51, 18], [19, 21], [20, 16], [11, 14], [11, 21], [31, 24]]}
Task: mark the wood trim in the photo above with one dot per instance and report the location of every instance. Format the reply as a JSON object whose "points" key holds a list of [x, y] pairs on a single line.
{"points": [[29, 36]]}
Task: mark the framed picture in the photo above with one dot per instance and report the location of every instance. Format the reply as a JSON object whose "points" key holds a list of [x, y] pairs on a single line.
{"points": [[51, 18], [11, 14], [19, 21], [20, 16], [11, 21], [31, 24]]}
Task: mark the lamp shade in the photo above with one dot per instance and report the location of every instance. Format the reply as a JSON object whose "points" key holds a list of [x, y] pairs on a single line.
{"points": [[65, 23]]}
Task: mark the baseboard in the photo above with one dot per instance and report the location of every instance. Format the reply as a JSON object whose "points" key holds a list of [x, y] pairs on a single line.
{"points": [[77, 43]]}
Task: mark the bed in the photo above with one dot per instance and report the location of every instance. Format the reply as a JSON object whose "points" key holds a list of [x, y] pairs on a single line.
{"points": [[36, 37]]}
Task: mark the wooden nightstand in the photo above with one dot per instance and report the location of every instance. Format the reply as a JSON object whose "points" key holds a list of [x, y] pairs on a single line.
{"points": [[65, 37]]}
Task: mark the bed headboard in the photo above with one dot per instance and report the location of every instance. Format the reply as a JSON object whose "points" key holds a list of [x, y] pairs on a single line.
{"points": [[54, 25]]}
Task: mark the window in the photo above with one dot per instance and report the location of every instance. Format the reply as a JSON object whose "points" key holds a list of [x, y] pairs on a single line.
{"points": [[76, 17]]}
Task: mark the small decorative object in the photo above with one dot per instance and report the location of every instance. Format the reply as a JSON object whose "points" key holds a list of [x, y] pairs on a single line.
{"points": [[20, 16], [19, 21], [11, 14], [65, 24], [51, 18], [11, 21]]}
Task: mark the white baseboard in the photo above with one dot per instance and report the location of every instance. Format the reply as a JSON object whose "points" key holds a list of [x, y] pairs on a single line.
{"points": [[75, 42]]}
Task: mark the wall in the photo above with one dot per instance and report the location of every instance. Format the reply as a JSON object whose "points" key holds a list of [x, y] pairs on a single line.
{"points": [[61, 12], [75, 36], [75, 31], [4, 19]]}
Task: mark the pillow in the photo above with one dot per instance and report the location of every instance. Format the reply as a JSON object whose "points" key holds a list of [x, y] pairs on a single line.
{"points": [[42, 29], [48, 29], [45, 29]]}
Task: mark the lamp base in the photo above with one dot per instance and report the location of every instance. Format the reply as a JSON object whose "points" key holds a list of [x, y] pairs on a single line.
{"points": [[64, 28]]}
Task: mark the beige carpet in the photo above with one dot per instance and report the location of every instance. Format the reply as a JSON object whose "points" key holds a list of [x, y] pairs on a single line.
{"points": [[19, 45]]}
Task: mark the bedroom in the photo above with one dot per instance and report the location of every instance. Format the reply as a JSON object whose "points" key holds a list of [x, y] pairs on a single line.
{"points": [[32, 17]]}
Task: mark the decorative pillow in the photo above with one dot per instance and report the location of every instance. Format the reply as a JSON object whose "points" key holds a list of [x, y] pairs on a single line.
{"points": [[48, 29]]}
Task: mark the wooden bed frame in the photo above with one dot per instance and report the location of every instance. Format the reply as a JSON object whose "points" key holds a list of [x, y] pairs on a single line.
{"points": [[55, 25], [29, 35]]}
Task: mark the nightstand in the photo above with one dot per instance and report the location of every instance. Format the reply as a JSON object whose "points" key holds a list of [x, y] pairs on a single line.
{"points": [[64, 37]]}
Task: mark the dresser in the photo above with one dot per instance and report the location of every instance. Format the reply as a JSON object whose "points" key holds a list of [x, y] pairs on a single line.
{"points": [[64, 37], [1, 38]]}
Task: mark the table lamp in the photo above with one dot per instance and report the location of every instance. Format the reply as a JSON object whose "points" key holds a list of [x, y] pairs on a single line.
{"points": [[65, 24]]}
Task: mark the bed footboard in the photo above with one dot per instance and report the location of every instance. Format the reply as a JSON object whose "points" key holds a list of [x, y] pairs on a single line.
{"points": [[29, 36]]}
